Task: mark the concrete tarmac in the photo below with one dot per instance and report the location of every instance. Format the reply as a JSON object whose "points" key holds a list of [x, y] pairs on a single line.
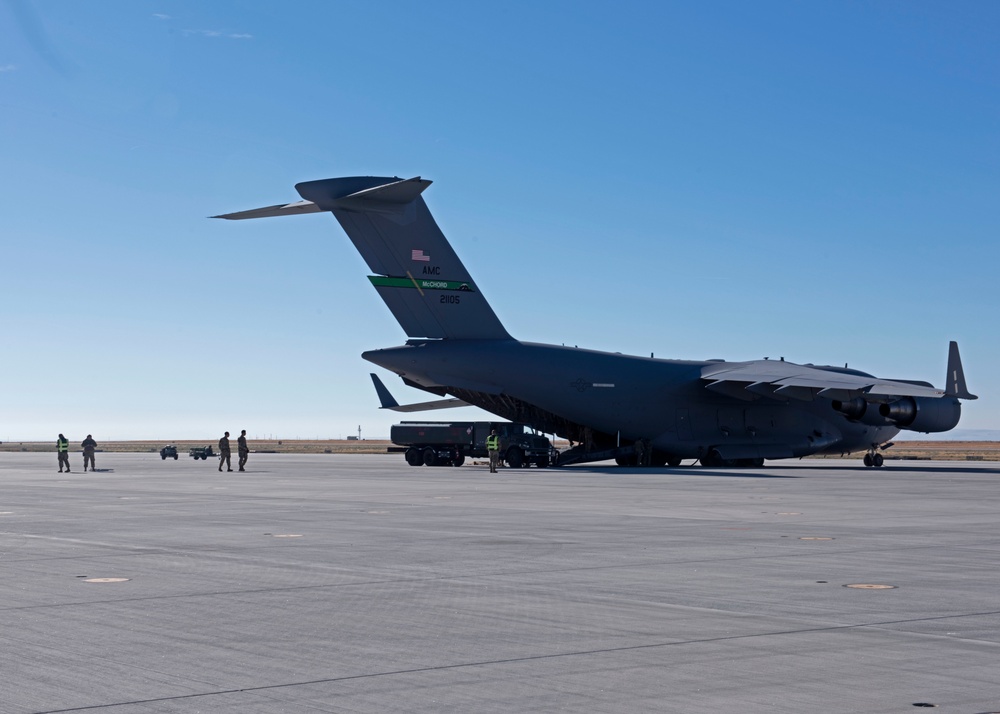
{"points": [[356, 583]]}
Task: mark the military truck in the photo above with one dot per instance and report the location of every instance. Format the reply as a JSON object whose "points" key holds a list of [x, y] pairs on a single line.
{"points": [[201, 452], [168, 451], [448, 443]]}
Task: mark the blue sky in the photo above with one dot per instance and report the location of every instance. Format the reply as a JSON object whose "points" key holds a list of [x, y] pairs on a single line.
{"points": [[818, 181]]}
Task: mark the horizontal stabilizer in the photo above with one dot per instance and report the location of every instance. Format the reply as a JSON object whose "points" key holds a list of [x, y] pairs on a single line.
{"points": [[389, 402], [282, 209], [398, 193]]}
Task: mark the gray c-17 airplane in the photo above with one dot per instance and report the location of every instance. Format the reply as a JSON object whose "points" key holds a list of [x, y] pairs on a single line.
{"points": [[721, 413]]}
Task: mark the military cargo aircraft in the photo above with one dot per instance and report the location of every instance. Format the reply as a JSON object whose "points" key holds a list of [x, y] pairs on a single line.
{"points": [[630, 408]]}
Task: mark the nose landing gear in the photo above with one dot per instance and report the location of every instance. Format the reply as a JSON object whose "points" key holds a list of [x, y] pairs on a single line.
{"points": [[873, 459]]}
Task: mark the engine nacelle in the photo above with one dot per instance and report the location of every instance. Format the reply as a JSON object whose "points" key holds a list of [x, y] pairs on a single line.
{"points": [[862, 411], [923, 413]]}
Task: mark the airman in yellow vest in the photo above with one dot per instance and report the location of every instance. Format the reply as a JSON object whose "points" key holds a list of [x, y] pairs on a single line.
{"points": [[493, 447]]}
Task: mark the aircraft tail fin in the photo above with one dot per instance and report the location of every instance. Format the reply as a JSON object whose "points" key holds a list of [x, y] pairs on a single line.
{"points": [[416, 271], [954, 383]]}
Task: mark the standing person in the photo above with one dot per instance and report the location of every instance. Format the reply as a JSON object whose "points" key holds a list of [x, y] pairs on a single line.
{"points": [[640, 452], [89, 446], [242, 450], [493, 447], [62, 446], [224, 454]]}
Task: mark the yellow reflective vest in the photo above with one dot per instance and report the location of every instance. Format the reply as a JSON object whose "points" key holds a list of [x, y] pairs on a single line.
{"points": [[62, 445], [493, 442]]}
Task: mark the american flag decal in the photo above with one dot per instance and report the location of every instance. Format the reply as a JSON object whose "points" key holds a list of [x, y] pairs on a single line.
{"points": [[418, 254]]}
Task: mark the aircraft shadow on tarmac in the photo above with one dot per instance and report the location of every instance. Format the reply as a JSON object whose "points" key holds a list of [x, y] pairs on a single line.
{"points": [[933, 469], [897, 466], [678, 471], [750, 473], [889, 466]]}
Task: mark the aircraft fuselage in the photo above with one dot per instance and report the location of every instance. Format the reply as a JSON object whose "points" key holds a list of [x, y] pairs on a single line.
{"points": [[623, 397]]}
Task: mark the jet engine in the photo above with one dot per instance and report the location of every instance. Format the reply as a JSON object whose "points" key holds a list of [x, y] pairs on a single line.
{"points": [[923, 414], [861, 410]]}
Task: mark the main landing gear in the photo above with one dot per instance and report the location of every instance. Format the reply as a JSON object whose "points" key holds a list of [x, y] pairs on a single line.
{"points": [[873, 459]]}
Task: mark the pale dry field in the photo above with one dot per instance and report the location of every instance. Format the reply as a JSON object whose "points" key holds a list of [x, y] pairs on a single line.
{"points": [[938, 451], [260, 446]]}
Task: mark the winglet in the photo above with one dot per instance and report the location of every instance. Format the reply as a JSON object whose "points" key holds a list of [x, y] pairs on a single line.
{"points": [[954, 383], [389, 402]]}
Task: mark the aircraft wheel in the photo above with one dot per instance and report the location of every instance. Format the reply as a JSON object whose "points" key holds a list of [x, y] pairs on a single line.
{"points": [[712, 458], [458, 460], [878, 460], [868, 460], [515, 458], [430, 458]]}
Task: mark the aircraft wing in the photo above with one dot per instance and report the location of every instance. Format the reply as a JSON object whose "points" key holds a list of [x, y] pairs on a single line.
{"points": [[785, 380]]}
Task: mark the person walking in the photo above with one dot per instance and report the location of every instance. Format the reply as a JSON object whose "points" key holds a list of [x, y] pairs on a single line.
{"points": [[62, 446], [89, 446], [225, 455], [242, 450], [493, 447]]}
